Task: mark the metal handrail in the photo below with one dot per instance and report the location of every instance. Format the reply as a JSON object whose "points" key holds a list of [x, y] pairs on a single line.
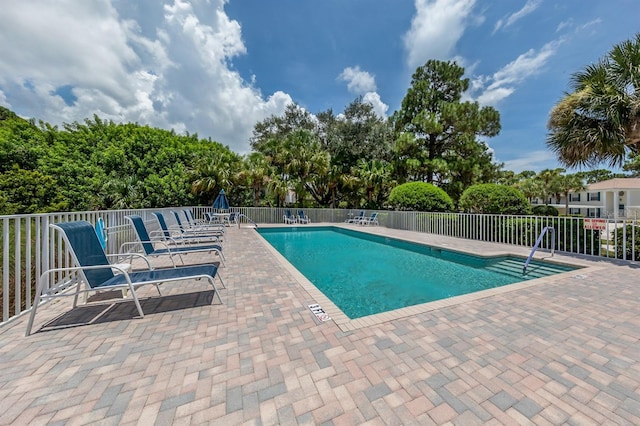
{"points": [[537, 244], [241, 215]]}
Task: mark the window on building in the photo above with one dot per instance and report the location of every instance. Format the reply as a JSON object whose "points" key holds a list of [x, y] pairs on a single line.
{"points": [[593, 196], [593, 212], [574, 197]]}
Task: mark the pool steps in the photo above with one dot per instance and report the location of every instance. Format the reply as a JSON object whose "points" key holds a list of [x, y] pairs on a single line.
{"points": [[536, 269]]}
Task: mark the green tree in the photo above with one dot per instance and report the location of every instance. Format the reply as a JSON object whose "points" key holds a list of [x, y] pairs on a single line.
{"points": [[27, 191], [530, 188], [471, 163], [279, 187], [212, 174], [374, 178], [490, 198], [433, 119], [255, 174], [420, 196], [358, 134], [548, 180], [599, 120], [295, 118], [568, 184]]}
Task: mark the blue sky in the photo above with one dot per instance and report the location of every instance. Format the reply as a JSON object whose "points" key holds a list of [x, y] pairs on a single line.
{"points": [[216, 67]]}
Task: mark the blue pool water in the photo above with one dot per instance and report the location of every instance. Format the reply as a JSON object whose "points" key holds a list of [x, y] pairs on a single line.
{"points": [[366, 274]]}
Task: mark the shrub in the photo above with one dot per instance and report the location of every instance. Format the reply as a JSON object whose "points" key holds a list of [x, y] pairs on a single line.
{"points": [[490, 198], [628, 243], [420, 196], [545, 211]]}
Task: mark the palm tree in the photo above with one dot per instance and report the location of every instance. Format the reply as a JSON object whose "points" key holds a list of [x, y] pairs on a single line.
{"points": [[279, 187], [124, 193], [548, 180], [372, 175], [255, 174], [210, 175], [568, 184], [530, 188], [600, 120]]}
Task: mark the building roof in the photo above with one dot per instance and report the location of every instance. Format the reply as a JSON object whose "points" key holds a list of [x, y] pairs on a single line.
{"points": [[617, 183]]}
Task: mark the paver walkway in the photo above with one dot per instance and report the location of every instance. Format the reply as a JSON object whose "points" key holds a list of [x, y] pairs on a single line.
{"points": [[563, 351]]}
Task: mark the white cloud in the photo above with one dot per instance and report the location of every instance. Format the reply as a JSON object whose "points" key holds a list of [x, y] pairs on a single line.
{"points": [[495, 95], [379, 107], [529, 7], [358, 81], [178, 77], [363, 83], [565, 24], [503, 82], [534, 160], [436, 28]]}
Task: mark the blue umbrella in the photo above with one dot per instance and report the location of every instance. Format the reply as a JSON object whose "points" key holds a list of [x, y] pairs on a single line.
{"points": [[221, 202]]}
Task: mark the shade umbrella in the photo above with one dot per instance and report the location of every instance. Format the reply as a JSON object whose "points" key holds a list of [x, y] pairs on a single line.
{"points": [[221, 202]]}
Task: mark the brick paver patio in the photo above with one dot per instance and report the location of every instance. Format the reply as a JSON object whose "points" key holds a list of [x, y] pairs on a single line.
{"points": [[560, 350]]}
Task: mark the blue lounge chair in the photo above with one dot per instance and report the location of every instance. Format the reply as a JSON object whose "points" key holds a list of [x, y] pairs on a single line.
{"points": [[179, 237], [149, 249], [371, 220], [203, 225], [356, 219], [288, 217], [186, 229], [96, 273], [303, 218]]}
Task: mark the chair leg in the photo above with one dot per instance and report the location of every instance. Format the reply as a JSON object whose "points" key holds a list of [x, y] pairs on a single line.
{"points": [[75, 298], [215, 290], [32, 316], [221, 256], [220, 278], [136, 301]]}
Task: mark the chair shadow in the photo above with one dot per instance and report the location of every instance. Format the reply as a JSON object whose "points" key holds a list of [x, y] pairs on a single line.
{"points": [[125, 309]]}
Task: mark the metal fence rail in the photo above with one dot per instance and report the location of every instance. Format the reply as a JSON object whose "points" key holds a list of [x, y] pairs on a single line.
{"points": [[29, 246]]}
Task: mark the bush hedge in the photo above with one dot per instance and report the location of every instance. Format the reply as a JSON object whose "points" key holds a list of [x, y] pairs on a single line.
{"points": [[420, 196], [491, 198], [628, 242], [544, 210]]}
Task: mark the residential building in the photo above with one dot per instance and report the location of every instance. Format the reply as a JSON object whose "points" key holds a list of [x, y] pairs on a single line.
{"points": [[613, 198]]}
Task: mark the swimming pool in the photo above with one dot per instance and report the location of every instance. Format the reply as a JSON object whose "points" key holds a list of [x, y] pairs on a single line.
{"points": [[365, 274]]}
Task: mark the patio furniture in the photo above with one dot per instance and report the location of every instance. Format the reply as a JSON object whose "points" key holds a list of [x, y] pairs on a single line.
{"points": [[149, 246], [92, 268]]}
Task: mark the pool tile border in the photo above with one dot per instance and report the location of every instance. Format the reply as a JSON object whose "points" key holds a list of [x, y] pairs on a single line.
{"points": [[347, 324]]}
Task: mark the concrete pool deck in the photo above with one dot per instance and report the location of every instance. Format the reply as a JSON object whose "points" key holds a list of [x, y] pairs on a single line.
{"points": [[556, 350]]}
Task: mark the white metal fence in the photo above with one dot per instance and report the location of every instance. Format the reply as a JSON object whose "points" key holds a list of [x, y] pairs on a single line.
{"points": [[29, 246]]}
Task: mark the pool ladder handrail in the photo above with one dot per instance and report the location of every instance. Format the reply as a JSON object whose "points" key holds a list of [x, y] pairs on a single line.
{"points": [[538, 241], [241, 215]]}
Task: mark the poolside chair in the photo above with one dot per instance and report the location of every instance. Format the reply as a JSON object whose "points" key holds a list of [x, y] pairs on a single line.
{"points": [[93, 269], [232, 219], [149, 246], [303, 218], [371, 220], [204, 225], [186, 229], [356, 219], [288, 217], [101, 233], [177, 236]]}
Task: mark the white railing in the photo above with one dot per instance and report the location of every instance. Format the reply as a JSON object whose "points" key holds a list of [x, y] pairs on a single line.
{"points": [[29, 247]]}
